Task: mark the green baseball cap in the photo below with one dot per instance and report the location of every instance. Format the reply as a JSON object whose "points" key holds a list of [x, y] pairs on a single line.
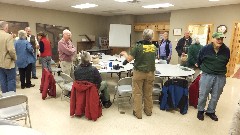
{"points": [[218, 35]]}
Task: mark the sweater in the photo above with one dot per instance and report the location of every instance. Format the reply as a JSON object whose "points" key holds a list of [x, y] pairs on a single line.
{"points": [[88, 73], [193, 54], [214, 63]]}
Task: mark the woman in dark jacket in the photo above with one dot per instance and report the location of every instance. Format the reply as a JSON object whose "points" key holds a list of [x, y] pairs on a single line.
{"points": [[25, 58]]}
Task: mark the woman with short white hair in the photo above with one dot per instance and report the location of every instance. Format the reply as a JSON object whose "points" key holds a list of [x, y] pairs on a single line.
{"points": [[25, 58], [86, 72], [193, 55]]}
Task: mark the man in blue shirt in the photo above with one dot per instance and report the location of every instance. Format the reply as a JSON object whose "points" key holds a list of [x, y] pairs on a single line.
{"points": [[165, 48]]}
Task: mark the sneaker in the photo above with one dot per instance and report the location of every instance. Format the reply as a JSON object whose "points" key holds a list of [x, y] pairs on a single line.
{"points": [[107, 104], [134, 114], [213, 116], [35, 77], [200, 115]]}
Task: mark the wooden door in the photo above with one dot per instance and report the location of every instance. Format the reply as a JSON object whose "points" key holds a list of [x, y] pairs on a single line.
{"points": [[234, 50]]}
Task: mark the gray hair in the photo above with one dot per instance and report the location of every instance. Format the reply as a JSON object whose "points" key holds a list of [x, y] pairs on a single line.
{"points": [[3, 24], [22, 34], [66, 31], [85, 57], [147, 34], [195, 40]]}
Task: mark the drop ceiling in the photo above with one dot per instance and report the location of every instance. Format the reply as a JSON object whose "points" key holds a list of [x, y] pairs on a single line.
{"points": [[111, 7]]}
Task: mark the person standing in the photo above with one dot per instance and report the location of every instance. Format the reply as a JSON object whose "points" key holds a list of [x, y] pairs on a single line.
{"points": [[144, 56], [182, 48], [212, 60], [25, 54], [66, 51], [45, 51], [34, 42], [165, 48], [7, 60], [193, 55]]}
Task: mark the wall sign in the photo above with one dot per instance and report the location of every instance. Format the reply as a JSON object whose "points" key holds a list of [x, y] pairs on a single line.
{"points": [[177, 32]]}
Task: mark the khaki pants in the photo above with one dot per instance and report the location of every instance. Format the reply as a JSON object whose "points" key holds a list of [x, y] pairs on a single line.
{"points": [[67, 67], [142, 89]]}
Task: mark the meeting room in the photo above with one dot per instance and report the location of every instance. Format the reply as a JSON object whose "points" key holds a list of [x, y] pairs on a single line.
{"points": [[111, 67]]}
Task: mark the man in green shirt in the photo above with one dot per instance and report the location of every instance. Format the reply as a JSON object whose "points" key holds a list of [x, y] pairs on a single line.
{"points": [[212, 60], [143, 54]]}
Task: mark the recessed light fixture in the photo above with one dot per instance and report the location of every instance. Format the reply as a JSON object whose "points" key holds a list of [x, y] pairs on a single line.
{"points": [[213, 0], [87, 5], [39, 0], [123, 0], [163, 5]]}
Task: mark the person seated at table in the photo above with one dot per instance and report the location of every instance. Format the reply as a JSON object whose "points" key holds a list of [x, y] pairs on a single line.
{"points": [[86, 72]]}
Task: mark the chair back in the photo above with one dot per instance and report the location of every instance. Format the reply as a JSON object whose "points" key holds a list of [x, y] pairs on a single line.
{"points": [[158, 81], [66, 78], [12, 100], [125, 81]]}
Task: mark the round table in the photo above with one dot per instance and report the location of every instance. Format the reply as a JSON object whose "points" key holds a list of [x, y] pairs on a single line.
{"points": [[17, 130], [169, 70]]}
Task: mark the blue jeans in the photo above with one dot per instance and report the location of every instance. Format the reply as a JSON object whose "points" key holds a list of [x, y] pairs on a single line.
{"points": [[34, 67], [8, 79], [213, 84], [165, 58]]}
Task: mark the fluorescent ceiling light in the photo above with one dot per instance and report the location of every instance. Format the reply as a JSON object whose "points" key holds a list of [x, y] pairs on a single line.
{"points": [[163, 5], [87, 5], [213, 0], [123, 0], [39, 0]]}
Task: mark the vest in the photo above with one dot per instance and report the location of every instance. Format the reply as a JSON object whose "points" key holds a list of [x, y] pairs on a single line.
{"points": [[33, 42], [144, 54], [166, 47], [47, 48]]}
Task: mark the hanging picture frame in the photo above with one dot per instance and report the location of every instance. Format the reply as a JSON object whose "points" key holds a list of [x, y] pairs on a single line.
{"points": [[177, 32]]}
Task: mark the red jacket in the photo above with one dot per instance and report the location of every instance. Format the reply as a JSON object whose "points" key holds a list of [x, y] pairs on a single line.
{"points": [[48, 84], [194, 92], [85, 100]]}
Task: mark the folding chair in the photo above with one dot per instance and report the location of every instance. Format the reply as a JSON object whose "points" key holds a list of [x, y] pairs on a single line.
{"points": [[67, 84], [12, 108], [157, 88], [123, 90]]}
